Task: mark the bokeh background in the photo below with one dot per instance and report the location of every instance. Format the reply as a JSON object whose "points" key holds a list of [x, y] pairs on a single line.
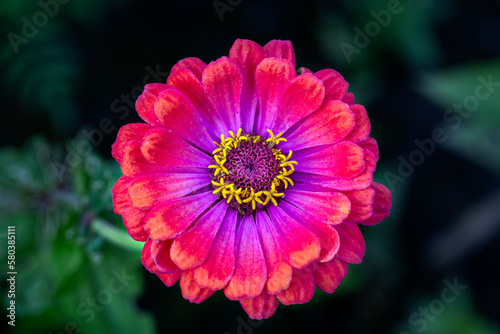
{"points": [[70, 75]]}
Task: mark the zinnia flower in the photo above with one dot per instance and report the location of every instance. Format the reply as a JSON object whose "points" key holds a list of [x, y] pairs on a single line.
{"points": [[250, 178]]}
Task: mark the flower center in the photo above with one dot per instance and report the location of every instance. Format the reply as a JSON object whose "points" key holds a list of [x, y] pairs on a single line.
{"points": [[250, 171]]}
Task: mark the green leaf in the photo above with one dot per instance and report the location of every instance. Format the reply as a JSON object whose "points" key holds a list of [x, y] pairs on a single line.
{"points": [[115, 235]]}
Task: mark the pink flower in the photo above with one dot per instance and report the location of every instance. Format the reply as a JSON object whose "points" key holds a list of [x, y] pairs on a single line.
{"points": [[249, 178]]}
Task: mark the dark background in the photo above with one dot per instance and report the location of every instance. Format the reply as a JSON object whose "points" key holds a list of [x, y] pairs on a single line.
{"points": [[79, 67]]}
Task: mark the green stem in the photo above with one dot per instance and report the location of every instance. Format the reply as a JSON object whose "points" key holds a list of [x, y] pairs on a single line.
{"points": [[115, 235]]}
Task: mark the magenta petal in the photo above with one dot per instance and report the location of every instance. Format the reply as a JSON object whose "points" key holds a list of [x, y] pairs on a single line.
{"points": [[218, 269], [328, 125], [191, 291], [302, 96], [344, 160], [271, 77], [280, 49], [371, 145], [335, 85], [301, 289], [169, 279], [146, 258], [327, 275], [381, 205], [250, 272], [121, 201], [361, 204], [247, 55], [348, 98], [134, 163], [177, 113], [194, 64], [160, 252], [169, 219], [352, 244], [192, 247], [363, 127], [133, 219], [261, 307], [128, 132], [145, 102], [222, 81]]}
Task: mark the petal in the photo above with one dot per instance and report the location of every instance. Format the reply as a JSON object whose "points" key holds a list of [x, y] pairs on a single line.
{"points": [[280, 49], [348, 98], [381, 205], [169, 219], [121, 201], [361, 204], [177, 113], [327, 235], [328, 125], [146, 258], [169, 279], [128, 132], [250, 272], [335, 85], [344, 160], [370, 144], [191, 291], [303, 70], [192, 247], [218, 269], [302, 96], [301, 289], [363, 127], [134, 163], [145, 103], [133, 219], [162, 147], [261, 307], [185, 81], [194, 64], [302, 245], [160, 252], [271, 77], [352, 244], [328, 207], [279, 272], [222, 81], [247, 55], [327, 275], [149, 190]]}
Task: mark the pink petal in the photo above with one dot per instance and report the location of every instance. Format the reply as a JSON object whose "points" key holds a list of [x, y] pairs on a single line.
{"points": [[301, 289], [279, 272], [344, 160], [128, 132], [352, 244], [302, 245], [169, 279], [222, 81], [328, 125], [327, 275], [192, 247], [327, 235], [218, 269], [303, 70], [335, 85], [148, 190], [247, 55], [370, 144], [250, 272], [271, 77], [145, 103], [361, 204], [328, 207], [185, 81], [363, 127], [160, 252], [162, 147], [280, 49], [134, 163], [133, 219], [348, 98], [194, 64], [261, 307], [121, 201], [302, 96], [381, 205], [177, 113], [169, 219], [146, 258], [191, 291]]}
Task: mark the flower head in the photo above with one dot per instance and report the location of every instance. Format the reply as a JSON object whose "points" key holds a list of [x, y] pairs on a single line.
{"points": [[250, 178]]}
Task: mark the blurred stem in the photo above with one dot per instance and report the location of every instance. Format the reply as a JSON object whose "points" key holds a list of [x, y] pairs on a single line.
{"points": [[114, 235]]}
